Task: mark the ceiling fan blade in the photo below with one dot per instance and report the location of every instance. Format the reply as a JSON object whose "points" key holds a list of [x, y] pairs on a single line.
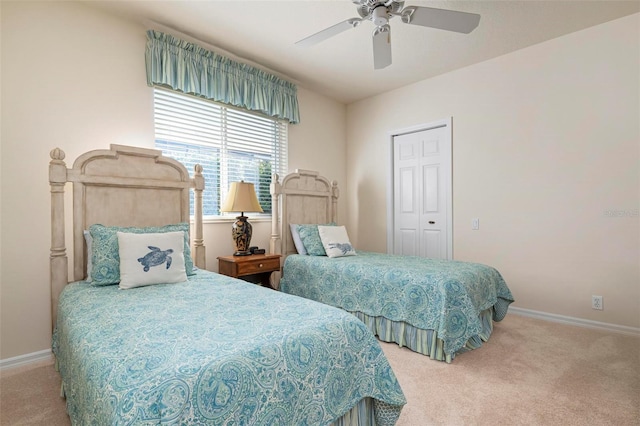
{"points": [[329, 32], [382, 47], [450, 20]]}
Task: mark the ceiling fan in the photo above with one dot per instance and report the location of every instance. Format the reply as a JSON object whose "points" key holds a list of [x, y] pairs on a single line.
{"points": [[380, 12]]}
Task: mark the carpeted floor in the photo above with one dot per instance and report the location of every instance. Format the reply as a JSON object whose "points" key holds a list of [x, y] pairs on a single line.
{"points": [[531, 372]]}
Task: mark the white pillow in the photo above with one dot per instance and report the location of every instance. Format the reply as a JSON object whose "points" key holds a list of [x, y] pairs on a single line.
{"points": [[147, 259], [336, 241], [296, 239]]}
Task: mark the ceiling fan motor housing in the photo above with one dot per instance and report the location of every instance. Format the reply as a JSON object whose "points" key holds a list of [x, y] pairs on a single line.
{"points": [[380, 16], [377, 11]]}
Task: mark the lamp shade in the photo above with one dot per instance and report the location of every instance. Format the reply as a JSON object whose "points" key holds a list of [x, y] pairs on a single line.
{"points": [[242, 198]]}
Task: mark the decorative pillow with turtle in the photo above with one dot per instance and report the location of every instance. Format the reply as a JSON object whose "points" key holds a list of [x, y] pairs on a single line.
{"points": [[335, 241], [147, 259], [104, 255]]}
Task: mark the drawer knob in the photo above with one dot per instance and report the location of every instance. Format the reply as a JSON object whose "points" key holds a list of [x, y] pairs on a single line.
{"points": [[260, 265]]}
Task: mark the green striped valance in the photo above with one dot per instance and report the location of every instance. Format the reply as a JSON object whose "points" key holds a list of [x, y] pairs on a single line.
{"points": [[191, 69]]}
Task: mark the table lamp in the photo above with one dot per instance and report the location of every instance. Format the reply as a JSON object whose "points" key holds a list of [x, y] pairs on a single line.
{"points": [[242, 198]]}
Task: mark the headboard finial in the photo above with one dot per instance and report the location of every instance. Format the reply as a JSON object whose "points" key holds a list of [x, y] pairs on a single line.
{"points": [[275, 188], [198, 178], [57, 154], [334, 189]]}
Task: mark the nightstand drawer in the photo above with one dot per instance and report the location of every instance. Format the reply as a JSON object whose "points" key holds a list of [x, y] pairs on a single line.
{"points": [[265, 265], [250, 268]]}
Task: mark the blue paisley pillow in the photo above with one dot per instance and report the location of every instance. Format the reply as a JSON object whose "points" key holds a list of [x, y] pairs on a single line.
{"points": [[311, 239], [105, 260]]}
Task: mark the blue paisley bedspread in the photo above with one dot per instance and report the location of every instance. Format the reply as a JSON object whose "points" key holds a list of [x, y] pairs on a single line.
{"points": [[216, 351], [430, 294]]}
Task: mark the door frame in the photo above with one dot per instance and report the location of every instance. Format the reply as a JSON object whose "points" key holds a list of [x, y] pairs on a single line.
{"points": [[445, 122]]}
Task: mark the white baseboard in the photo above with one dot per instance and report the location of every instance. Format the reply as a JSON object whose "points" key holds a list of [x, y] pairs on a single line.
{"points": [[44, 356], [614, 328]]}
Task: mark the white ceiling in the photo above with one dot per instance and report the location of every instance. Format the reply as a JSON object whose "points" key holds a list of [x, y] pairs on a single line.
{"points": [[264, 32]]}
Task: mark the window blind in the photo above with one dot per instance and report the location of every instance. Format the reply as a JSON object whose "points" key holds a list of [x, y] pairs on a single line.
{"points": [[230, 144]]}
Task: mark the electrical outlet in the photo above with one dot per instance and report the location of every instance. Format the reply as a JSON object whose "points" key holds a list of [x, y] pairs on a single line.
{"points": [[597, 303]]}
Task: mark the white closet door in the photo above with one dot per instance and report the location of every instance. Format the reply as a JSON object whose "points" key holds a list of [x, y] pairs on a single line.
{"points": [[422, 193]]}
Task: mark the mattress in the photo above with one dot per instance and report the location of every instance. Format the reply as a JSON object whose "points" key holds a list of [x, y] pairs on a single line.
{"points": [[216, 350]]}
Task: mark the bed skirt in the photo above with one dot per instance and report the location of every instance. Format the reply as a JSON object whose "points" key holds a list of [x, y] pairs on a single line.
{"points": [[367, 412], [425, 342]]}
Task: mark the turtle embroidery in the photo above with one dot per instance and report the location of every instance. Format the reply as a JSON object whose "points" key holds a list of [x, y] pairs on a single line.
{"points": [[155, 257], [344, 248]]}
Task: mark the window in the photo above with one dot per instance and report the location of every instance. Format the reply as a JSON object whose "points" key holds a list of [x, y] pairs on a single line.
{"points": [[230, 144]]}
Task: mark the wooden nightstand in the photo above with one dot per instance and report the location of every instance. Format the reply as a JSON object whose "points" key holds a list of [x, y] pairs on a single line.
{"points": [[255, 268]]}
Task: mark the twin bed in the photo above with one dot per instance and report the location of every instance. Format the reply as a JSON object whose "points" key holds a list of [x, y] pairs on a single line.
{"points": [[210, 349], [438, 308], [206, 350]]}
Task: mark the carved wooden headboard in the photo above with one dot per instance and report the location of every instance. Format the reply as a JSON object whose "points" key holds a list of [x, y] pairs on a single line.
{"points": [[122, 186], [303, 197]]}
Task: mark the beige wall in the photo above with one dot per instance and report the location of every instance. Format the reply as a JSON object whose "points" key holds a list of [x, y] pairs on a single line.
{"points": [[74, 78], [545, 142]]}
